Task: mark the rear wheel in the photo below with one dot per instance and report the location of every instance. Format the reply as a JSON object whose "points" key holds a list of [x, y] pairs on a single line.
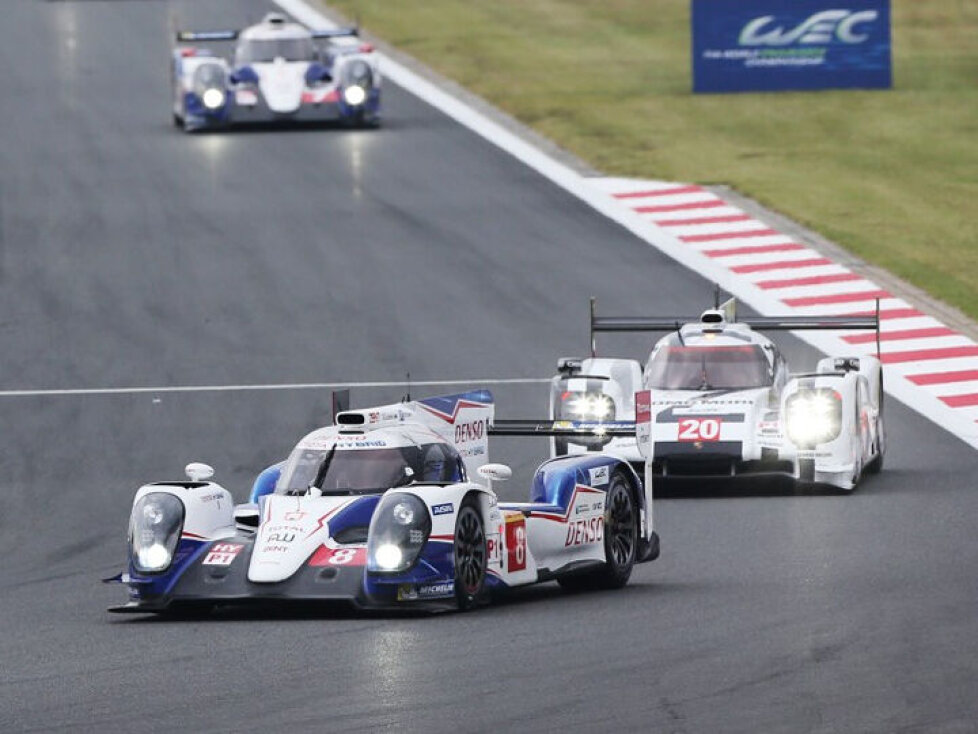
{"points": [[471, 557], [620, 541], [876, 465]]}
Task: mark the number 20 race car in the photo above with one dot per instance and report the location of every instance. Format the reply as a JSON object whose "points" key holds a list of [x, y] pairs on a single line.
{"points": [[391, 506], [716, 396], [279, 73]]}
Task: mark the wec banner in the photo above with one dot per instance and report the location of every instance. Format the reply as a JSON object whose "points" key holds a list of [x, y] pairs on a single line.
{"points": [[767, 45]]}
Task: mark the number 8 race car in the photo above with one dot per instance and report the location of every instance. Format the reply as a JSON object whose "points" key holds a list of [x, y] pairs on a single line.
{"points": [[716, 400], [381, 510], [278, 74]]}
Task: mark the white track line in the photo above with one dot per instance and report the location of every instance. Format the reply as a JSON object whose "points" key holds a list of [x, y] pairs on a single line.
{"points": [[472, 384]]}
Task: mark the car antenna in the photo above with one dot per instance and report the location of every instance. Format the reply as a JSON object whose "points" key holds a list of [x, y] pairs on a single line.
{"points": [[679, 333], [716, 295], [407, 395]]}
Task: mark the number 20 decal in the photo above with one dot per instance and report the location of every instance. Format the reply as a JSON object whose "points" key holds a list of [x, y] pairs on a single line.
{"points": [[699, 429]]}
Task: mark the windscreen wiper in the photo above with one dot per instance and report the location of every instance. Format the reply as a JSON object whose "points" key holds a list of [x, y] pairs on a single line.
{"points": [[323, 468]]}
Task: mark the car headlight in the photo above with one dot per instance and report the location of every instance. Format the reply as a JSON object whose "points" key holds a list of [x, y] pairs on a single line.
{"points": [[584, 406], [213, 98], [813, 416], [209, 83], [154, 531], [398, 531], [354, 95]]}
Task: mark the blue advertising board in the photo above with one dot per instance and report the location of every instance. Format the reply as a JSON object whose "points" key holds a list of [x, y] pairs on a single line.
{"points": [[767, 45]]}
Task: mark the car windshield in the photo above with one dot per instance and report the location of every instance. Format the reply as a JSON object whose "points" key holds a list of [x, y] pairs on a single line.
{"points": [[366, 470], [258, 50], [708, 368]]}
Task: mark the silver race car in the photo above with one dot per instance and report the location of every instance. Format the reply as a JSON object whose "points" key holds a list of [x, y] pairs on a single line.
{"points": [[280, 71], [715, 399]]}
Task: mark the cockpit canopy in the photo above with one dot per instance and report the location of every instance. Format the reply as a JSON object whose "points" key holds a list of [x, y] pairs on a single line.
{"points": [[714, 367], [264, 50], [364, 470]]}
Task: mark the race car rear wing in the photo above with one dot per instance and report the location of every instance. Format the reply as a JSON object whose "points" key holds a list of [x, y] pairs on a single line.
{"points": [[579, 429], [185, 36], [189, 36], [726, 312], [336, 32]]}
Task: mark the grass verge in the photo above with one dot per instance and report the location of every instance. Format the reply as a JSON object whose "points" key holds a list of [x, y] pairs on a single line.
{"points": [[891, 175]]}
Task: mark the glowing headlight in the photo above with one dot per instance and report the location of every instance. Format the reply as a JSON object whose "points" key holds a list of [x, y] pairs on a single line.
{"points": [[399, 530], [354, 95], [590, 406], [388, 557], [813, 416], [154, 558], [212, 98], [154, 531]]}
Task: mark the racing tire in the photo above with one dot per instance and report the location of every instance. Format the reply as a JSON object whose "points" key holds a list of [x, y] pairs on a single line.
{"points": [[471, 555], [620, 541], [857, 475], [359, 121], [367, 123], [177, 121], [876, 465]]}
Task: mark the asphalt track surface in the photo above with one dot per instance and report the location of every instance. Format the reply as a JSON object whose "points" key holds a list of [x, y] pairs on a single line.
{"points": [[133, 255]]}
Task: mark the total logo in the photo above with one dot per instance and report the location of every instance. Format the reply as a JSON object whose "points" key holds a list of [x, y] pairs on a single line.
{"points": [[821, 28]]}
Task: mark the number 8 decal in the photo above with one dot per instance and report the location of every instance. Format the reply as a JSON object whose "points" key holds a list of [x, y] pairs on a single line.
{"points": [[515, 543], [343, 556]]}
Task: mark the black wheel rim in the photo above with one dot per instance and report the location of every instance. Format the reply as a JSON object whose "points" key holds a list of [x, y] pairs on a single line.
{"points": [[470, 552], [620, 526]]}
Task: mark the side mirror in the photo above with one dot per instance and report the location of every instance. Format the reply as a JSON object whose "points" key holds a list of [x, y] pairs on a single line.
{"points": [[246, 516], [495, 472], [197, 472]]}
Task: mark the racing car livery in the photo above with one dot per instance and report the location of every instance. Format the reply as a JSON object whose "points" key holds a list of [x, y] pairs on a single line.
{"points": [[381, 509], [716, 400], [280, 72]]}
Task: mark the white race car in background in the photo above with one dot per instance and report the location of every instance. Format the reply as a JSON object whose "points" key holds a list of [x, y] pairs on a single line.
{"points": [[717, 400], [280, 72]]}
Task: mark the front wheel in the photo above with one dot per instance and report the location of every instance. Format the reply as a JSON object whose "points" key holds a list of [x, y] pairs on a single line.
{"points": [[471, 557], [620, 541]]}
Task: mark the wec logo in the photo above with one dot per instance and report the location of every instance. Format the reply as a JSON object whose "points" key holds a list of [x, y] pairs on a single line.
{"points": [[824, 27]]}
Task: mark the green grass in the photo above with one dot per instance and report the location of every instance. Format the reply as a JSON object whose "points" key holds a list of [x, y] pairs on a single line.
{"points": [[891, 175]]}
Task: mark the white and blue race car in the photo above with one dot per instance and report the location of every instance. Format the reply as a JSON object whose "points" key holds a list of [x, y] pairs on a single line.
{"points": [[392, 506], [281, 71]]}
